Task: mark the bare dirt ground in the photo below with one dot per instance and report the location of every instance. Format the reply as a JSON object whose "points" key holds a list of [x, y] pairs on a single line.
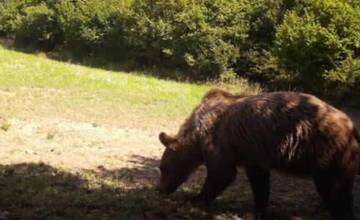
{"points": [[36, 126], [71, 144], [127, 155]]}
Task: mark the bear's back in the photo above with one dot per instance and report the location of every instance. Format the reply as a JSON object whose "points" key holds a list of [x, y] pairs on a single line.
{"points": [[273, 129]]}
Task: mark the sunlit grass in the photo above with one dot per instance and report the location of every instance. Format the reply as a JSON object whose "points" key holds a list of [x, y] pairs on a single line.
{"points": [[132, 90]]}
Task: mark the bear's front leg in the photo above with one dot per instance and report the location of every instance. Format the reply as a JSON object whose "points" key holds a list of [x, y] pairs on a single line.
{"points": [[220, 174]]}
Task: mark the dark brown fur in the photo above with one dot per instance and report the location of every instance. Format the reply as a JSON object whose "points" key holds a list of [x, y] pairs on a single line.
{"points": [[295, 133]]}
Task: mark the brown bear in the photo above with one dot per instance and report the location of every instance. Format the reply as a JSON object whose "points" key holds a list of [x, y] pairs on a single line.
{"points": [[295, 133]]}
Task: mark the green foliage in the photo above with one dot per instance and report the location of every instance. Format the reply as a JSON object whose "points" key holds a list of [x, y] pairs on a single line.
{"points": [[202, 36], [317, 38], [343, 83], [257, 60], [29, 21], [76, 24], [37, 24], [8, 13], [280, 43], [264, 16], [90, 24]]}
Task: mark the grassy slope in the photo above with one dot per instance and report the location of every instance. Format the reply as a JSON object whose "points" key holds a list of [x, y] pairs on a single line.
{"points": [[135, 92], [127, 90]]}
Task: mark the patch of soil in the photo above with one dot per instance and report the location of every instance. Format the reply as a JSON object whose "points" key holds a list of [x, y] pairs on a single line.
{"points": [[79, 145]]}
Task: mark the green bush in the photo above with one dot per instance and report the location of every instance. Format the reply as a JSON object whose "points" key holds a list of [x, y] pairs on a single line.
{"points": [[37, 24], [317, 39], [88, 24], [263, 17], [29, 21], [76, 24], [201, 36], [8, 13], [257, 60], [343, 83]]}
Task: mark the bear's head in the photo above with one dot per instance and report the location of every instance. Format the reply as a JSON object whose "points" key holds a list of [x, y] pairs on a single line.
{"points": [[178, 161]]}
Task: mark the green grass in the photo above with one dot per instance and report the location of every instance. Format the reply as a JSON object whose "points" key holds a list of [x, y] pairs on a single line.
{"points": [[131, 90]]}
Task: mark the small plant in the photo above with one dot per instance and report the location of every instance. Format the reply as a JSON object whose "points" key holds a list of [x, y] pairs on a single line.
{"points": [[5, 126], [51, 134]]}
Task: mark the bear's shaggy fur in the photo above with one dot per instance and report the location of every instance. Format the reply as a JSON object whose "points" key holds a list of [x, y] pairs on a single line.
{"points": [[295, 133]]}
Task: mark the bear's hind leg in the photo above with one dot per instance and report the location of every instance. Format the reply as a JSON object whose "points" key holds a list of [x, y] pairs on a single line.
{"points": [[336, 193], [260, 185]]}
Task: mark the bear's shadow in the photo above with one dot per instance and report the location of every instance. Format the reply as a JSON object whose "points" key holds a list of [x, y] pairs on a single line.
{"points": [[40, 191]]}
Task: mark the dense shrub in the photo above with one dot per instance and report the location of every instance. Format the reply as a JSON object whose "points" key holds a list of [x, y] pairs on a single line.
{"points": [[29, 21], [89, 24], [317, 39], [343, 83], [264, 16], [203, 36], [84, 25], [257, 60], [38, 24], [8, 13]]}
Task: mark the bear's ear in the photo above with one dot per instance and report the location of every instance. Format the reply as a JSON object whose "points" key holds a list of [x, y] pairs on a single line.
{"points": [[168, 141]]}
